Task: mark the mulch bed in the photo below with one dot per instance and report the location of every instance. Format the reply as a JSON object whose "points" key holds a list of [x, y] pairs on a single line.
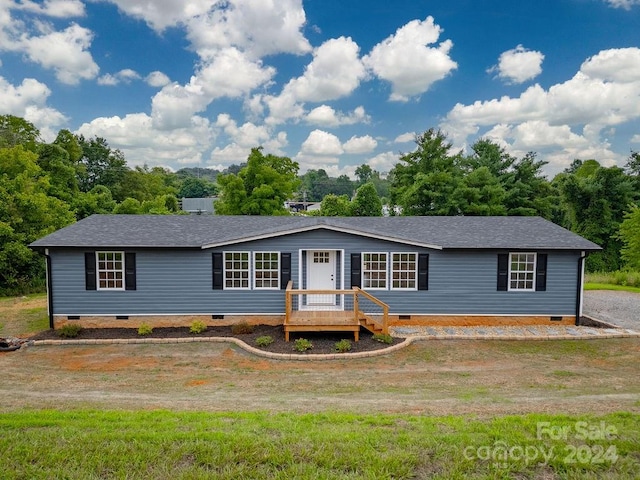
{"points": [[323, 342]]}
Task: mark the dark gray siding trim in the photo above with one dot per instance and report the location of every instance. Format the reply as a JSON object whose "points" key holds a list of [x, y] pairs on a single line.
{"points": [[180, 282]]}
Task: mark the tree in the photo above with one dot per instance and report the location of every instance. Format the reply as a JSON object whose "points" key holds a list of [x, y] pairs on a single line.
{"points": [[480, 193], [260, 188], [16, 131], [54, 160], [335, 206], [529, 192], [102, 165], [425, 179], [364, 174], [98, 200], [595, 201], [629, 234], [366, 202], [193, 187], [27, 213]]}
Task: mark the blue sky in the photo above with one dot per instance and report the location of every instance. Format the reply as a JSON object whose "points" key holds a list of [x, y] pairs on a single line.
{"points": [[331, 84]]}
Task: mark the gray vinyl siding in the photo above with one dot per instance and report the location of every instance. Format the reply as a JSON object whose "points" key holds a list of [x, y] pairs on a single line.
{"points": [[180, 281]]}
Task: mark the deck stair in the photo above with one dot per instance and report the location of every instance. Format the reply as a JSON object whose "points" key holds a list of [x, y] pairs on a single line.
{"points": [[343, 320]]}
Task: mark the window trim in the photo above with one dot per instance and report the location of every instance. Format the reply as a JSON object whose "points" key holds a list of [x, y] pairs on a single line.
{"points": [[255, 270], [364, 270], [122, 270], [533, 272], [225, 270], [415, 271]]}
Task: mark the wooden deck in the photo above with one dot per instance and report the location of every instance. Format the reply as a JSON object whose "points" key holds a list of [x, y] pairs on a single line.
{"points": [[322, 321]]}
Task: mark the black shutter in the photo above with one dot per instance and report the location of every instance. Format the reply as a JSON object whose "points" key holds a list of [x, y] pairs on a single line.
{"points": [[423, 271], [217, 271], [285, 269], [541, 273], [503, 271], [130, 271], [356, 268], [90, 270]]}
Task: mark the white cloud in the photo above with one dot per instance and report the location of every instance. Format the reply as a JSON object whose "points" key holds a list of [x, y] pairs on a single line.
{"points": [[230, 154], [66, 52], [162, 14], [625, 4], [383, 162], [405, 138], [136, 136], [408, 62], [29, 101], [568, 118], [635, 138], [228, 74], [248, 135], [358, 145], [53, 8], [320, 142], [157, 79], [123, 76], [519, 65], [326, 116], [261, 28]]}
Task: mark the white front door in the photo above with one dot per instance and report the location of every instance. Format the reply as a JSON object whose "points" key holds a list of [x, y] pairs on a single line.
{"points": [[321, 275]]}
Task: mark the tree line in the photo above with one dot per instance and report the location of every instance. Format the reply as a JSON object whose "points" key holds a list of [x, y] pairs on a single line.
{"points": [[45, 186]]}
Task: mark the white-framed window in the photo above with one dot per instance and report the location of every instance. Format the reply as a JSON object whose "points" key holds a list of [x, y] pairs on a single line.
{"points": [[522, 271], [321, 257], [236, 270], [374, 270], [266, 270], [110, 270], [404, 271]]}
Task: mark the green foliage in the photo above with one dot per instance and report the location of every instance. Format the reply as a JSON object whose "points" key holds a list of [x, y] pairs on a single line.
{"points": [[383, 338], [69, 330], [594, 200], [424, 180], [629, 234], [27, 212], [343, 346], [335, 206], [197, 326], [102, 165], [16, 131], [264, 341], [193, 187], [624, 278], [145, 329], [366, 202], [260, 188], [242, 328], [302, 345], [316, 184]]}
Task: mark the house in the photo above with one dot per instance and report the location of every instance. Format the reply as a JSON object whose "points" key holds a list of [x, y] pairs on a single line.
{"points": [[310, 272]]}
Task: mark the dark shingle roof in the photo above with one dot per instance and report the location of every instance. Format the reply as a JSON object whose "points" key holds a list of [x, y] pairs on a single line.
{"points": [[202, 231]]}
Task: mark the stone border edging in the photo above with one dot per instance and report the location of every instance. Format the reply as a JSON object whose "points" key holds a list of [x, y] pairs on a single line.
{"points": [[329, 356], [237, 342]]}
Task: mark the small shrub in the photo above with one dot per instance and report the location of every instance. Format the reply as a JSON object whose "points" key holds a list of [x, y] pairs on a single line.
{"points": [[264, 341], [145, 329], [383, 338], [302, 345], [242, 328], [70, 330], [343, 346], [198, 326]]}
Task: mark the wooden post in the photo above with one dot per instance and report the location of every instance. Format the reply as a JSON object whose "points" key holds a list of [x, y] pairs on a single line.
{"points": [[356, 308]]}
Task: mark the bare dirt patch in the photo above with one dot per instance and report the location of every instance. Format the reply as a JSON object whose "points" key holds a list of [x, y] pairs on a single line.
{"points": [[430, 377]]}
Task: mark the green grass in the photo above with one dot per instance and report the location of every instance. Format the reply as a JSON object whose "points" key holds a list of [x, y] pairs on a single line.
{"points": [[610, 286], [84, 444], [624, 280]]}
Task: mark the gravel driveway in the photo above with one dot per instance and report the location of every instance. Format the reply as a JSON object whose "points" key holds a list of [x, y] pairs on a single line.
{"points": [[619, 308]]}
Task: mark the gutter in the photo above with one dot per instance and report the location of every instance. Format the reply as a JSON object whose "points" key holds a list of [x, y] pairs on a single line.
{"points": [[583, 255], [49, 287]]}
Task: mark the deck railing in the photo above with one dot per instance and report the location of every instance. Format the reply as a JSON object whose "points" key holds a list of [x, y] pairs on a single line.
{"points": [[360, 302]]}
